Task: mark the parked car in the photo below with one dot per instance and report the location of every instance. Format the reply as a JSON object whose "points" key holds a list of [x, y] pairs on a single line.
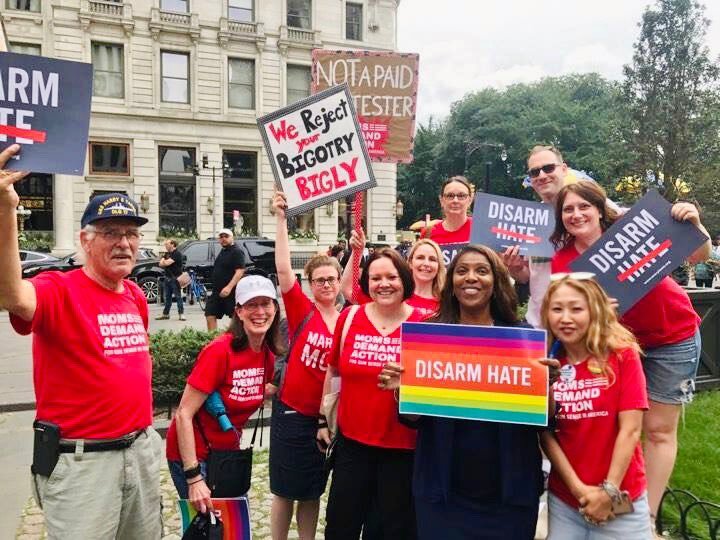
{"points": [[28, 258]]}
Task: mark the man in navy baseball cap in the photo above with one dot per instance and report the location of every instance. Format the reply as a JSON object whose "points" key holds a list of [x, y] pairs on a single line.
{"points": [[112, 205]]}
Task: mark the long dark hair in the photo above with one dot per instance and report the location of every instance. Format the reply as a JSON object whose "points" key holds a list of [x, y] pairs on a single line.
{"points": [[592, 193], [503, 303], [273, 338]]}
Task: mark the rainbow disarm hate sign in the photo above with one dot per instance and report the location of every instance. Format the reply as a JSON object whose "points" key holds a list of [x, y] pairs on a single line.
{"points": [[486, 373], [234, 514]]}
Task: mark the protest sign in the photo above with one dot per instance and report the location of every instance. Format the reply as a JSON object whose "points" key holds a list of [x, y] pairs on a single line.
{"points": [[45, 107], [234, 513], [450, 250], [639, 250], [384, 88], [316, 150], [502, 222], [474, 372]]}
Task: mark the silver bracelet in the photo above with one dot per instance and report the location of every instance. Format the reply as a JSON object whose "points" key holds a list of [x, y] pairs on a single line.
{"points": [[612, 490]]}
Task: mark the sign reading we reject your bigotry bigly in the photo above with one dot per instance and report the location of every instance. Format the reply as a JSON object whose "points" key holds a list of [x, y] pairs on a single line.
{"points": [[316, 150]]}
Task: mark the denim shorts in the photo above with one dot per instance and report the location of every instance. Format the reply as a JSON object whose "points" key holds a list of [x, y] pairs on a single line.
{"points": [[565, 523], [670, 370]]}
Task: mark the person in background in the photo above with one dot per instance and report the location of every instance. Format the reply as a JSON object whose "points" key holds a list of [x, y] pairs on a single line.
{"points": [[474, 479], [172, 262], [228, 269], [663, 321], [594, 456], [297, 466], [96, 465], [453, 232], [242, 357]]}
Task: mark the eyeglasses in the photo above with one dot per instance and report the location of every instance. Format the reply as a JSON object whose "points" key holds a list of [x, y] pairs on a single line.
{"points": [[266, 305], [579, 276], [113, 235], [321, 281], [547, 169], [458, 196]]}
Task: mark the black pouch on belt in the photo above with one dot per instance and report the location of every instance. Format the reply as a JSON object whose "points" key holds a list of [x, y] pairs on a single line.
{"points": [[46, 448]]}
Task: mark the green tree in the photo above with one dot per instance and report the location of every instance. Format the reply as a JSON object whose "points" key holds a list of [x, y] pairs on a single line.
{"points": [[671, 96]]}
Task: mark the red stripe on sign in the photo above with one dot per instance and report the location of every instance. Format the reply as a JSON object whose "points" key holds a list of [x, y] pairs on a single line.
{"points": [[33, 135], [520, 236], [642, 262]]}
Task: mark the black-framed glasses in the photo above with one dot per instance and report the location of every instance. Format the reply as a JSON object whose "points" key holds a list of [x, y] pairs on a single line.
{"points": [[547, 169], [321, 281], [458, 196]]}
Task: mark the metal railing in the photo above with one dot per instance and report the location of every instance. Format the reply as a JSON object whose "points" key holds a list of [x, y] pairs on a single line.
{"points": [[698, 519]]}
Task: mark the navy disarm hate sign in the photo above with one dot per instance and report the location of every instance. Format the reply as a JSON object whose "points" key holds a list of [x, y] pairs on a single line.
{"points": [[640, 249], [45, 108]]}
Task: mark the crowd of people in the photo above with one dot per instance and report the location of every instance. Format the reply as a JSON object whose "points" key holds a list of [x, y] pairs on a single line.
{"points": [[97, 459]]}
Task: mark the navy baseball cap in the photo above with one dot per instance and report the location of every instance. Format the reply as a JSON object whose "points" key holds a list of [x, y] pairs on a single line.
{"points": [[112, 205]]}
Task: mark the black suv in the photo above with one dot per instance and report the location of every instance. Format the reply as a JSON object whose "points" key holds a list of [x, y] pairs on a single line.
{"points": [[197, 254]]}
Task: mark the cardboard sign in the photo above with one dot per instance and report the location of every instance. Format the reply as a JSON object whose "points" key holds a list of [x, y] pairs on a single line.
{"points": [[486, 373], [45, 107], [316, 150], [502, 222], [384, 87], [639, 250], [234, 513]]}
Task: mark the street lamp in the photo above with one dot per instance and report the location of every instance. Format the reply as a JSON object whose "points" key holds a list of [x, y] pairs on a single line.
{"points": [[22, 215], [471, 146], [225, 168]]}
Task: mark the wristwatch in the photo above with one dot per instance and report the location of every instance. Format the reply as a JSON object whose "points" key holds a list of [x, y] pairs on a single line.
{"points": [[192, 472]]}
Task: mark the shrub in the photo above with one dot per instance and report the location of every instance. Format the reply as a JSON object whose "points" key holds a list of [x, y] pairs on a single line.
{"points": [[173, 355], [36, 241]]}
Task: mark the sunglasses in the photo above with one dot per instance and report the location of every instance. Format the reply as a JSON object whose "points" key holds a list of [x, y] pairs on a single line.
{"points": [[547, 169], [578, 276]]}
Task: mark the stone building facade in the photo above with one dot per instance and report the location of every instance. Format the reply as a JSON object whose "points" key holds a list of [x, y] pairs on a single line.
{"points": [[178, 86]]}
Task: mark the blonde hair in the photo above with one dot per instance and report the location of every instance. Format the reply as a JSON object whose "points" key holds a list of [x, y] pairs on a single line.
{"points": [[439, 280], [319, 260], [605, 334], [546, 148]]}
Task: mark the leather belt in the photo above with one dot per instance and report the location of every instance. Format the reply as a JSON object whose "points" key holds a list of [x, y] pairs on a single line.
{"points": [[100, 445]]}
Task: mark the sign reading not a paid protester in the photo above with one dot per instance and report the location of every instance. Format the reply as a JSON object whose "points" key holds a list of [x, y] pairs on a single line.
{"points": [[384, 88], [45, 107], [639, 250], [316, 150], [502, 222]]}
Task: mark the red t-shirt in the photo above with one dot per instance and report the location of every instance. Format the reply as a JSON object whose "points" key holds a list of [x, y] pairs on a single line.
{"points": [[307, 364], [663, 316], [91, 363], [366, 413], [450, 241], [424, 307], [240, 377], [588, 421]]}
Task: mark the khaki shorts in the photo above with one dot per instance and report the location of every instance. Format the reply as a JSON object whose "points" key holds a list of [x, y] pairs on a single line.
{"points": [[114, 494]]}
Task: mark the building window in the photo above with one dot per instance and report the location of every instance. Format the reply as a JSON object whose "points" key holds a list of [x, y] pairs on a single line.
{"points": [[177, 191], [175, 77], [109, 158], [25, 48], [353, 21], [298, 14], [108, 68], [240, 10], [36, 195], [298, 83], [240, 192], [241, 83], [180, 6], [24, 5]]}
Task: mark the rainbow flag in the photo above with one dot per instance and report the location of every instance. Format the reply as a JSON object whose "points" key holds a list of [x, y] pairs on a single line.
{"points": [[474, 372], [234, 513]]}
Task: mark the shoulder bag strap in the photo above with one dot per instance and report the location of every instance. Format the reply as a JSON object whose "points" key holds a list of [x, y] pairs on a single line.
{"points": [[259, 420], [346, 327]]}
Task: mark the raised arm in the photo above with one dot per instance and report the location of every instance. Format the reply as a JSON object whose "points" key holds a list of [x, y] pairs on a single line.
{"points": [[357, 243], [285, 275], [16, 295]]}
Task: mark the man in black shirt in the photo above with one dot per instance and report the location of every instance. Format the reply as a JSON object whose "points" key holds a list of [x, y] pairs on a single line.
{"points": [[227, 271], [172, 263]]}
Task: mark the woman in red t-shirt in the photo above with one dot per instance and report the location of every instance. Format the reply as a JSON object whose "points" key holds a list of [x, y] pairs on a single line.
{"points": [[238, 364], [453, 232], [663, 321], [428, 271], [297, 466], [600, 397], [373, 454]]}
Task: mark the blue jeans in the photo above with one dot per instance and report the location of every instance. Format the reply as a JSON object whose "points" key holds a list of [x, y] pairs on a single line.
{"points": [[670, 370], [565, 522], [172, 287], [178, 476]]}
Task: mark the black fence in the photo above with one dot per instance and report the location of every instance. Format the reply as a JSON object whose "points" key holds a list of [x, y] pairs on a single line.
{"points": [[707, 303], [683, 515]]}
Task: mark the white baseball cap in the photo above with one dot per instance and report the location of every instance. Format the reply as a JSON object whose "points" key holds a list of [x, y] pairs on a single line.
{"points": [[226, 231], [251, 287]]}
